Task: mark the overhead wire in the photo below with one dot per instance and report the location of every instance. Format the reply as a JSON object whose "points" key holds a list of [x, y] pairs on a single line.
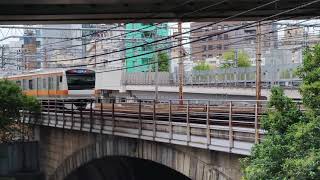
{"points": [[150, 16], [178, 34], [215, 34], [146, 27], [286, 11]]}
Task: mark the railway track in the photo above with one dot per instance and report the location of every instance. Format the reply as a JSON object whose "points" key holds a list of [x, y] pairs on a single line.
{"points": [[197, 114]]}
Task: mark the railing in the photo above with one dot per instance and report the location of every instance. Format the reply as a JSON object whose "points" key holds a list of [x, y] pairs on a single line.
{"points": [[280, 75], [229, 126]]}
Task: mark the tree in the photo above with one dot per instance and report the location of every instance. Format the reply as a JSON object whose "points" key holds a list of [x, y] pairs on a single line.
{"points": [[291, 148], [202, 66], [12, 101], [229, 56], [309, 72], [163, 62]]}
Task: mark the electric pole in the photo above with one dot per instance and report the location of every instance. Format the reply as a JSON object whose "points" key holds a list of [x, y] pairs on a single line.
{"points": [[45, 58], [95, 53], [236, 61], [181, 68], [2, 57], [156, 77], [258, 63], [305, 38]]}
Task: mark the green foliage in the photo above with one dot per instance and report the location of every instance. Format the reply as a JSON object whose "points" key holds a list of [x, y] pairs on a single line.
{"points": [[310, 74], [202, 66], [163, 62], [283, 113], [291, 148], [12, 100], [243, 59]]}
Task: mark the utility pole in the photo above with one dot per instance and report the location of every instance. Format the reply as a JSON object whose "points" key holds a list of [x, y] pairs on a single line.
{"points": [[95, 53], [236, 61], [2, 57], [45, 58], [305, 38], [156, 77], [181, 68], [258, 63]]}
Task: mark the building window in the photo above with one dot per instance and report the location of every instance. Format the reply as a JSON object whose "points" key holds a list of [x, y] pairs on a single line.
{"points": [[147, 48], [147, 34], [210, 47], [226, 27], [145, 61], [30, 84], [226, 36], [226, 47], [210, 56], [219, 37], [204, 56], [38, 44], [204, 47], [134, 63], [219, 27], [219, 46]]}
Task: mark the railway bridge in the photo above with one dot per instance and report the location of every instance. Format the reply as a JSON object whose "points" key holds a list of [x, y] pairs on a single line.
{"points": [[197, 139]]}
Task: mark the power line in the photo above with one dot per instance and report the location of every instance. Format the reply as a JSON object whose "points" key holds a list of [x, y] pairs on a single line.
{"points": [[201, 51], [215, 34], [146, 27], [150, 16], [176, 35]]}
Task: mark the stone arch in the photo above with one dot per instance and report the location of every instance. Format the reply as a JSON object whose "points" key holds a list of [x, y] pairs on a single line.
{"points": [[169, 156]]}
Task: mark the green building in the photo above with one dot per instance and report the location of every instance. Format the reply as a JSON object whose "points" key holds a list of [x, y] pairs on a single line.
{"points": [[148, 33]]}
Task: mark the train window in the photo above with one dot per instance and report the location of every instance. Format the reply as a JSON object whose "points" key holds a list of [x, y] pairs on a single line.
{"points": [[24, 84], [60, 79], [44, 83], [30, 84], [50, 83], [58, 82], [80, 79], [38, 83]]}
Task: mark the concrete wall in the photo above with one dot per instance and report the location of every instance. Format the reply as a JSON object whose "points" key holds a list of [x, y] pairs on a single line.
{"points": [[64, 150], [20, 160]]}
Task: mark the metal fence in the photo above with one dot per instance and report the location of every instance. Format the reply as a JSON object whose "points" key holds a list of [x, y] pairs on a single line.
{"points": [[280, 75], [229, 126]]}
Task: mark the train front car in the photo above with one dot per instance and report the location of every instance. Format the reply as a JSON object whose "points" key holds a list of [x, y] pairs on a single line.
{"points": [[80, 82], [81, 85]]}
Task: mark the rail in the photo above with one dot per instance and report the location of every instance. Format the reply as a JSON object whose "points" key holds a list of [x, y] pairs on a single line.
{"points": [[228, 126]]}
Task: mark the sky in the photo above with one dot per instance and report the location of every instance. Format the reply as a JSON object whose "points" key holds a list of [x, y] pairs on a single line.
{"points": [[4, 32]]}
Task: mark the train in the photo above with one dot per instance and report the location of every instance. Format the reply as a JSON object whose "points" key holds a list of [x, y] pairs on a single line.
{"points": [[57, 83]]}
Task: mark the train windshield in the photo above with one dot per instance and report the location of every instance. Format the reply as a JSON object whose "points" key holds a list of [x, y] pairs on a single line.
{"points": [[80, 79]]}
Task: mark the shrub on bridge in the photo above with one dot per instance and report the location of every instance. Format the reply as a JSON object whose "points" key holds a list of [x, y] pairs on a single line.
{"points": [[12, 101]]}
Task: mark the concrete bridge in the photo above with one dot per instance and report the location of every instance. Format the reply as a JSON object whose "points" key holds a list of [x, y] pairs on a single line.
{"points": [[199, 139], [64, 151], [218, 84], [102, 11]]}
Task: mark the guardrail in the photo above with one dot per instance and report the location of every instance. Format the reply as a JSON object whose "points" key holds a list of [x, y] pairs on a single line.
{"points": [[229, 126]]}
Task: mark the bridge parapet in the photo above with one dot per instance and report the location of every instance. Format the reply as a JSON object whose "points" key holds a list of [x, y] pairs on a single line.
{"points": [[226, 126], [272, 75]]}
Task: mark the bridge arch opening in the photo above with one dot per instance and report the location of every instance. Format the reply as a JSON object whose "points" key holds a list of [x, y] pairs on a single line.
{"points": [[124, 168]]}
